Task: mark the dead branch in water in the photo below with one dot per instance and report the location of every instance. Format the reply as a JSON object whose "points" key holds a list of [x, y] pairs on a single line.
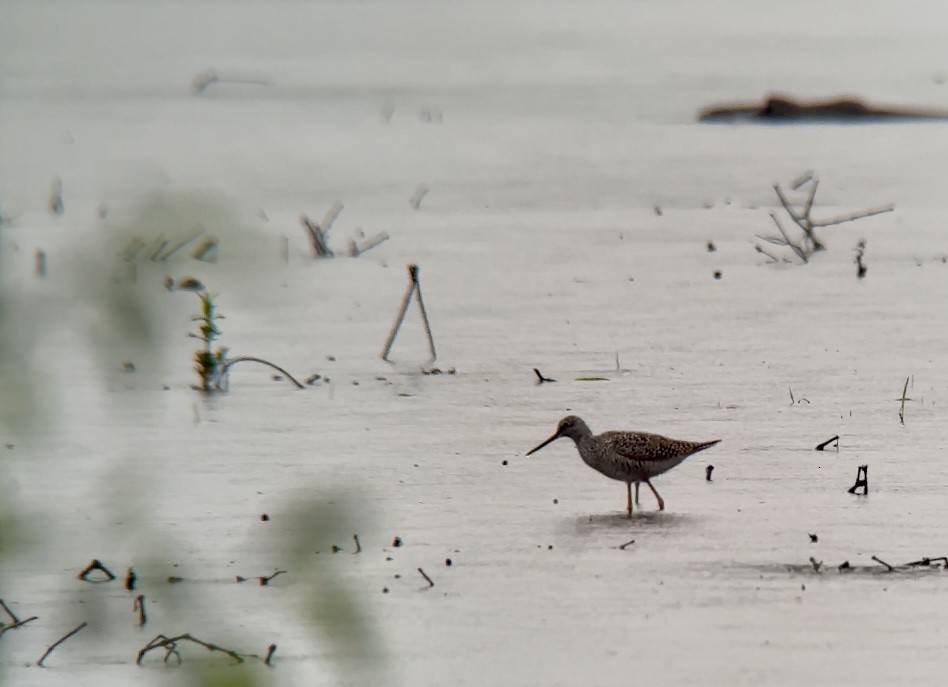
{"points": [[427, 579], [821, 447], [139, 607], [540, 378], [17, 624], [58, 642], [802, 216]]}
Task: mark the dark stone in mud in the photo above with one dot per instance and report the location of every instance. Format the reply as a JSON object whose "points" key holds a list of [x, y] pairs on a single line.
{"points": [[778, 109]]}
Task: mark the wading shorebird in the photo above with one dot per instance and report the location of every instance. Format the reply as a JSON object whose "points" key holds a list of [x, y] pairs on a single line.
{"points": [[629, 457]]}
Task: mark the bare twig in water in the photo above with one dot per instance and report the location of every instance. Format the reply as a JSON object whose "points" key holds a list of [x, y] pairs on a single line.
{"points": [[420, 192], [882, 562], [169, 644], [816, 564], [95, 565], [317, 238], [58, 642], [540, 378], [628, 543], [17, 624], [270, 651], [821, 447], [229, 362], [358, 545], [130, 579], [925, 562], [707, 472], [427, 579]]}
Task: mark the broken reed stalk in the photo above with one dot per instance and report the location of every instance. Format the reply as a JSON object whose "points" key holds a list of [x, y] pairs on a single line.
{"points": [[169, 644], [622, 547], [58, 642], [229, 362], [903, 399], [181, 244], [852, 216], [540, 378], [414, 288], [882, 562], [17, 624], [270, 651], [420, 192], [358, 545], [139, 607], [317, 238]]}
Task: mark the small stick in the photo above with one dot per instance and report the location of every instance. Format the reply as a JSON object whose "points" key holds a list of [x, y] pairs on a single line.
{"points": [[842, 219], [330, 217], [628, 543], [203, 248], [792, 401], [903, 399], [140, 607], [181, 244], [540, 378], [60, 641], [39, 266], [10, 613], [413, 272], [270, 651], [707, 472], [130, 579], [427, 579], [826, 443], [816, 564], [879, 560], [358, 545], [95, 565], [17, 624]]}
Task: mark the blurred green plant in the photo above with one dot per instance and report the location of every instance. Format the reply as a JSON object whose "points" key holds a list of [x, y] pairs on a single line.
{"points": [[208, 363]]}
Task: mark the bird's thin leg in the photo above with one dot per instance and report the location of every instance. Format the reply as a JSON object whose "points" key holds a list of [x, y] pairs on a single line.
{"points": [[636, 493], [661, 501], [628, 506]]}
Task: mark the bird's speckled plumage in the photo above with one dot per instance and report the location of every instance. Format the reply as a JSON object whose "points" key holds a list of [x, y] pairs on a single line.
{"points": [[630, 457]]}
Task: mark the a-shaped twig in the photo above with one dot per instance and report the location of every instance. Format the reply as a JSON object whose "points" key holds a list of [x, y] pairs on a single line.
{"points": [[540, 378], [427, 579], [139, 608], [414, 288], [58, 642], [95, 565], [903, 398], [17, 624], [170, 645], [822, 447], [862, 480]]}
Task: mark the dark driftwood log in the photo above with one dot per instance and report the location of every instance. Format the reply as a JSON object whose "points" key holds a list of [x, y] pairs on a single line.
{"points": [[778, 108]]}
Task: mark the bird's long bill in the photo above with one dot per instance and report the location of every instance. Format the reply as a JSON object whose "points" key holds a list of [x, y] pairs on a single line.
{"points": [[548, 441]]}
